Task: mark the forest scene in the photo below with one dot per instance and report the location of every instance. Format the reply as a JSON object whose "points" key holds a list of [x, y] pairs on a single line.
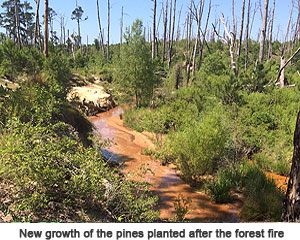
{"points": [[149, 111]]}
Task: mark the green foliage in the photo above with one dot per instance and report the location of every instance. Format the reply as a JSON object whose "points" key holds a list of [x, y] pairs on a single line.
{"points": [[57, 73], [219, 191], [266, 125], [181, 206], [203, 153], [226, 179], [12, 59], [50, 171], [182, 108], [33, 60], [134, 70], [214, 64], [26, 17], [16, 62], [263, 198]]}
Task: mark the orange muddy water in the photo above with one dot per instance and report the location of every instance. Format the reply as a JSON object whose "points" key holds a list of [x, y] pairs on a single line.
{"points": [[126, 148]]}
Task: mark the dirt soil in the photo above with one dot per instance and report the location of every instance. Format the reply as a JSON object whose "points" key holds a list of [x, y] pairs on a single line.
{"points": [[126, 148]]}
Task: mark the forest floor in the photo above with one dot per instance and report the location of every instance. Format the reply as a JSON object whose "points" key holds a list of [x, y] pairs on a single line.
{"points": [[126, 147]]}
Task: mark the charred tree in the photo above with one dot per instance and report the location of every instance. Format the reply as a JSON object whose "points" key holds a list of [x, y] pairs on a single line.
{"points": [[17, 22], [46, 12], [100, 28], [172, 35], [108, 25], [263, 32], [121, 29], [203, 37], [199, 16], [271, 32], [241, 29], [247, 34], [153, 31], [37, 23], [165, 31], [291, 204]]}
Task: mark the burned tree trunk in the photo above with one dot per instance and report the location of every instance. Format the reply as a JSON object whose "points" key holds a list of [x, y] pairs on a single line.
{"points": [[263, 32], [121, 29], [291, 204], [203, 37], [241, 30], [282, 66], [108, 25], [17, 22], [282, 63], [172, 35], [247, 35], [37, 22], [46, 11], [197, 36], [100, 28], [165, 32], [154, 27], [271, 32]]}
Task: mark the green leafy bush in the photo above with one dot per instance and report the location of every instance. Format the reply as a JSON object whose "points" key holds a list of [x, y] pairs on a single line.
{"points": [[220, 190], [205, 151], [263, 199], [49, 172], [12, 60]]}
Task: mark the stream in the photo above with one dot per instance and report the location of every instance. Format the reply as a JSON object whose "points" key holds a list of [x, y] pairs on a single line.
{"points": [[126, 146]]}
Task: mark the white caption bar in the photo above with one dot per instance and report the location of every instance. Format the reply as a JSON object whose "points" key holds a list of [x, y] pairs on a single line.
{"points": [[149, 231]]}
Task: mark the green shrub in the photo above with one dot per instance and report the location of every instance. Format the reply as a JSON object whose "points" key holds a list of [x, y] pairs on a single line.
{"points": [[181, 206], [12, 60], [57, 74], [226, 180], [219, 191], [263, 199], [205, 151], [49, 172]]}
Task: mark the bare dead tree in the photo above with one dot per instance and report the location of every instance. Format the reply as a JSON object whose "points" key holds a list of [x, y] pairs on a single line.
{"points": [[157, 33], [153, 31], [288, 29], [172, 35], [189, 30], [108, 25], [291, 204], [100, 28], [37, 22], [253, 18], [203, 36], [178, 24], [247, 34], [121, 29], [296, 32], [263, 32], [271, 32], [283, 65], [170, 25], [229, 39], [165, 31], [17, 22], [46, 13], [188, 52], [233, 22], [199, 16], [241, 29]]}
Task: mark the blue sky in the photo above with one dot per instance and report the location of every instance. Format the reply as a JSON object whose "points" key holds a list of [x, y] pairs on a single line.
{"points": [[143, 9]]}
